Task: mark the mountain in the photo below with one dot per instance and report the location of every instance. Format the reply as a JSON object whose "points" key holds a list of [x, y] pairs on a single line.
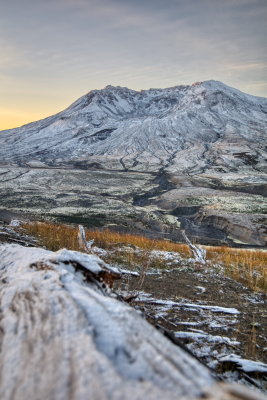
{"points": [[189, 129], [157, 160]]}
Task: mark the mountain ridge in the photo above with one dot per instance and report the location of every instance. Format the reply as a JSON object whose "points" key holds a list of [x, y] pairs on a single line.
{"points": [[121, 128], [117, 87]]}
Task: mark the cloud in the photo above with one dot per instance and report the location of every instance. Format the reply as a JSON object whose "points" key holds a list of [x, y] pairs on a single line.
{"points": [[59, 49], [248, 67], [11, 55]]}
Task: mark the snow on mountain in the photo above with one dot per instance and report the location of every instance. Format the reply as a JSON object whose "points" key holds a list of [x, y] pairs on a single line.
{"points": [[208, 126]]}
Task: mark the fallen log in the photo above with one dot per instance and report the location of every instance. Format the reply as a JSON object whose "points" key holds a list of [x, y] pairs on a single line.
{"points": [[64, 336]]}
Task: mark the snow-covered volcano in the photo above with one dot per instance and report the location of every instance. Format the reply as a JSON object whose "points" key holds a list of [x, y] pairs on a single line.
{"points": [[191, 129]]}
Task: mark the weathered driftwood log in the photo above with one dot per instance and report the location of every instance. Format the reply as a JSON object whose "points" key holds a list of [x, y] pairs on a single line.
{"points": [[62, 337], [84, 245], [198, 253]]}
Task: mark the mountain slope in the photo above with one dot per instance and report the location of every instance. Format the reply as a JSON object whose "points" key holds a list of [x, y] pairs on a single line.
{"points": [[189, 129], [152, 162]]}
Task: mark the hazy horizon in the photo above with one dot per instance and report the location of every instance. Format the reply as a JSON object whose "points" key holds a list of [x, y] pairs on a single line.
{"points": [[54, 52]]}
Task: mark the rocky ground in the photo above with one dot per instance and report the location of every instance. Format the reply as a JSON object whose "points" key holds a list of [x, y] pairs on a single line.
{"points": [[220, 321], [215, 318], [213, 209]]}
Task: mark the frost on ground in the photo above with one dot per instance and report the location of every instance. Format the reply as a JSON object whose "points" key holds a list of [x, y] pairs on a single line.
{"points": [[213, 316], [182, 304], [63, 337]]}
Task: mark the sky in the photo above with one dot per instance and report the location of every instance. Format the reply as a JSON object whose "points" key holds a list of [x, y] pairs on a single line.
{"points": [[54, 51]]}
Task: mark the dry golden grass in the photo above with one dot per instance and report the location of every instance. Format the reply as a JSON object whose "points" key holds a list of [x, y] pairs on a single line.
{"points": [[55, 236], [246, 266]]}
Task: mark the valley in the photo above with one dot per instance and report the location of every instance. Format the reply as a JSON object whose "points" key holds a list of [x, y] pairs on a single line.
{"points": [[151, 162], [212, 211]]}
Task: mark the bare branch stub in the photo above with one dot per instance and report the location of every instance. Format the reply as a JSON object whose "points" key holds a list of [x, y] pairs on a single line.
{"points": [[198, 253], [83, 244]]}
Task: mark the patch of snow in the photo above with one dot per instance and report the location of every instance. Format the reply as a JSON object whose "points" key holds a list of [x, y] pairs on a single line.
{"points": [[156, 272], [254, 298], [128, 272], [190, 323], [171, 303], [100, 252], [201, 289], [205, 336], [165, 255], [215, 309], [245, 365], [15, 222]]}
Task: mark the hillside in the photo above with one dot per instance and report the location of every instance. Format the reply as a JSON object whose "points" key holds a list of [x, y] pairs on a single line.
{"points": [[191, 157], [206, 127]]}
